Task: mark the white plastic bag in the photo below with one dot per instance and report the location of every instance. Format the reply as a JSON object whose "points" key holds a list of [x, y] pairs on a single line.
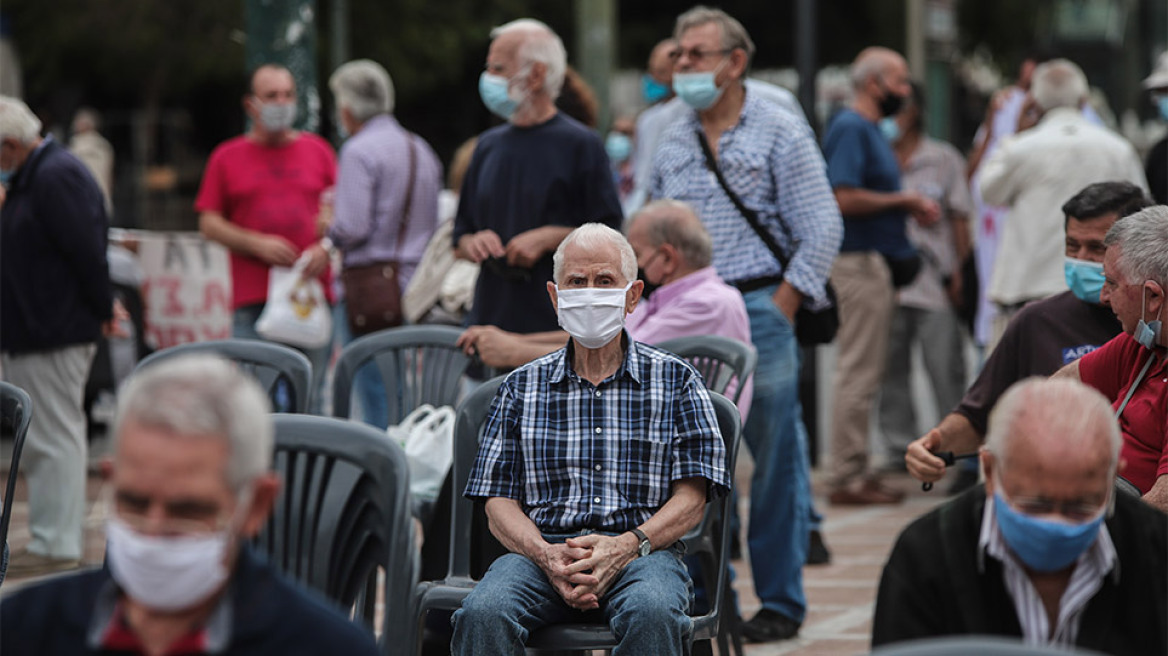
{"points": [[297, 312], [427, 435]]}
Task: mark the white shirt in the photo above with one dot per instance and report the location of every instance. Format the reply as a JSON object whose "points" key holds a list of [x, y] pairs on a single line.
{"points": [[1034, 173], [1090, 569]]}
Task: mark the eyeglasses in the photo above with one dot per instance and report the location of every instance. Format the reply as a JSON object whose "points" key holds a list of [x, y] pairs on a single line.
{"points": [[697, 54], [181, 518], [1075, 511]]}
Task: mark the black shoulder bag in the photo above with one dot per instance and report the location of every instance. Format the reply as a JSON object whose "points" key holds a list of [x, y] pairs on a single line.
{"points": [[812, 327]]}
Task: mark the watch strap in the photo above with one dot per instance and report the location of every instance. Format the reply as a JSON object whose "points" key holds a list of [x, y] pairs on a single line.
{"points": [[642, 539]]}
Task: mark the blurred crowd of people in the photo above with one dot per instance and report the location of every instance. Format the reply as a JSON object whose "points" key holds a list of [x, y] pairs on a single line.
{"points": [[737, 219]]}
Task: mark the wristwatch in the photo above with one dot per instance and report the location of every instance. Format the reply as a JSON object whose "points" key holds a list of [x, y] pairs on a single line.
{"points": [[644, 547]]}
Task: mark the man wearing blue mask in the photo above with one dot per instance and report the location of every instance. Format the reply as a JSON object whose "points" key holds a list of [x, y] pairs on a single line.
{"points": [[777, 251], [530, 182], [1131, 370], [191, 486], [594, 461], [1045, 335], [1050, 551], [1156, 166]]}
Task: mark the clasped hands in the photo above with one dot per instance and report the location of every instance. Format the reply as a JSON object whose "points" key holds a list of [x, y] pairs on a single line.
{"points": [[583, 569]]}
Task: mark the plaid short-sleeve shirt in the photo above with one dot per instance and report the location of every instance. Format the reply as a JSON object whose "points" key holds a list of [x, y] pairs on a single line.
{"points": [[602, 457]]}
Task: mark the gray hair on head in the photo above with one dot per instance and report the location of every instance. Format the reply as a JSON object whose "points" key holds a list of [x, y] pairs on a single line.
{"points": [[203, 396], [540, 45], [364, 88], [1072, 415], [1142, 239], [675, 223], [871, 62], [17, 121], [594, 236], [1058, 83], [734, 35]]}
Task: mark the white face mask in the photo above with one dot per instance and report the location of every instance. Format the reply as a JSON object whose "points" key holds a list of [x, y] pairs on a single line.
{"points": [[166, 573], [592, 316], [277, 117]]}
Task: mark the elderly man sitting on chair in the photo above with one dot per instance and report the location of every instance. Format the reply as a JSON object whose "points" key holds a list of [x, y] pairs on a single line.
{"points": [[594, 461]]}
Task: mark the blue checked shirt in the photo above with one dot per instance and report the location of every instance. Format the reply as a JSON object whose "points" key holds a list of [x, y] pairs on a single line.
{"points": [[770, 159], [583, 457]]}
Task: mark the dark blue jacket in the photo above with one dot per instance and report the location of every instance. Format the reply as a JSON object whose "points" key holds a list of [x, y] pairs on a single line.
{"points": [[270, 615], [54, 280]]}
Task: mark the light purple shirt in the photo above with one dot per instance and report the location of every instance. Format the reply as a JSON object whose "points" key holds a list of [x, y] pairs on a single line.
{"points": [[372, 174], [697, 304]]}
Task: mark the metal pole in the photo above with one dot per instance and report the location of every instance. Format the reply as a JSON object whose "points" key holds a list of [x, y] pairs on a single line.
{"points": [[914, 17], [285, 33], [806, 54], [596, 49], [340, 33]]}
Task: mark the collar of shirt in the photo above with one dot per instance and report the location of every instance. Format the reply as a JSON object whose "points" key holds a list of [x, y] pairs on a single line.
{"points": [[108, 628], [1060, 116], [630, 364], [667, 294], [1086, 579]]}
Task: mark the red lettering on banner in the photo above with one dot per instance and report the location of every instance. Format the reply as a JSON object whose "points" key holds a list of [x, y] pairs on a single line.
{"points": [[215, 298]]}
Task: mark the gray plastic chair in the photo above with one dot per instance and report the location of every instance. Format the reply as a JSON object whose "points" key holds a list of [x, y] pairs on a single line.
{"points": [[279, 369], [710, 538], [720, 360], [418, 364], [15, 415], [343, 512], [975, 645]]}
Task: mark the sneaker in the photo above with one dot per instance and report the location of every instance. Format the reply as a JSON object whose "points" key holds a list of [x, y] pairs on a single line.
{"points": [[817, 552], [25, 563], [769, 626], [863, 496]]}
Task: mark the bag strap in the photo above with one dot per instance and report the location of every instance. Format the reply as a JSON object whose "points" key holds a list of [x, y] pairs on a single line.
{"points": [[750, 215], [401, 231], [1139, 379]]}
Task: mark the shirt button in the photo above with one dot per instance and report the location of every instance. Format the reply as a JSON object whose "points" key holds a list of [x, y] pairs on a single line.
{"points": [[598, 467], [598, 430], [597, 393], [596, 500]]}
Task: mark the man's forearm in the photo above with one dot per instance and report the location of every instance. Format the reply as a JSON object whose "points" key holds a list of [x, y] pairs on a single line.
{"points": [[513, 528], [855, 202], [1157, 497], [681, 513], [218, 229], [958, 434]]}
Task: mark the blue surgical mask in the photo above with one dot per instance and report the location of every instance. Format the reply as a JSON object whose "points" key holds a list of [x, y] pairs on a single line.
{"points": [[1147, 332], [618, 146], [6, 176], [493, 89], [889, 128], [1084, 278], [698, 89], [1163, 105], [652, 90], [1044, 545]]}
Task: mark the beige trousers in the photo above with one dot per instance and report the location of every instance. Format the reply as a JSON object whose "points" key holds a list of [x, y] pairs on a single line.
{"points": [[864, 291]]}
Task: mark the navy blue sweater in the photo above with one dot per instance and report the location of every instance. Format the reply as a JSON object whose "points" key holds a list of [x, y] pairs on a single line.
{"points": [[270, 615], [54, 280]]}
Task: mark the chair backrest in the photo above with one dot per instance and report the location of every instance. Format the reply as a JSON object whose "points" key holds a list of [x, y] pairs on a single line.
{"points": [[976, 645], [721, 361], [418, 364], [343, 512], [282, 371], [15, 415], [471, 414]]}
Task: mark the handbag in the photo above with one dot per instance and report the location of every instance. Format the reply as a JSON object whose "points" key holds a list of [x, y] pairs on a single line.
{"points": [[427, 436], [903, 270], [296, 312], [812, 327], [372, 292]]}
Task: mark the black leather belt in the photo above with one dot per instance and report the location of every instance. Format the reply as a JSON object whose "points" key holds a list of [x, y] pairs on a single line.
{"points": [[757, 283]]}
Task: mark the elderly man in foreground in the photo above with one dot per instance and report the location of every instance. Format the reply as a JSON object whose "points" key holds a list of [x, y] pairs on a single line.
{"points": [[1049, 551], [594, 461], [191, 486]]}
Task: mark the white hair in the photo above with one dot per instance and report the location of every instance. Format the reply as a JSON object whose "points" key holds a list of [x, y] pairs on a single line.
{"points": [[592, 236], [871, 62], [1077, 415], [203, 396], [674, 222], [1058, 83], [1142, 239], [540, 44], [734, 35], [17, 121], [364, 88]]}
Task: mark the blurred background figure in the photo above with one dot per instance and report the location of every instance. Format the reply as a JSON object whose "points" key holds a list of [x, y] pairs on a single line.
{"points": [[1156, 168], [619, 145], [95, 152], [577, 99], [925, 313]]}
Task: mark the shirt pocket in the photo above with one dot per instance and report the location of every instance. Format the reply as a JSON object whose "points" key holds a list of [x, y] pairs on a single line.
{"points": [[645, 455]]}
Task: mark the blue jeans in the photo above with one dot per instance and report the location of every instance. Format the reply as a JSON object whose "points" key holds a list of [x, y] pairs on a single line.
{"points": [[780, 490], [367, 383], [645, 608], [243, 326]]}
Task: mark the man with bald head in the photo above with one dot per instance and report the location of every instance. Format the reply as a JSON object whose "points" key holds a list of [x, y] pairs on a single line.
{"points": [[875, 255], [1049, 551], [1037, 170], [260, 198]]}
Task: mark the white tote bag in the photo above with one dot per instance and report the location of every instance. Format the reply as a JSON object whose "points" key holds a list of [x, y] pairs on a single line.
{"points": [[427, 435], [297, 312]]}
